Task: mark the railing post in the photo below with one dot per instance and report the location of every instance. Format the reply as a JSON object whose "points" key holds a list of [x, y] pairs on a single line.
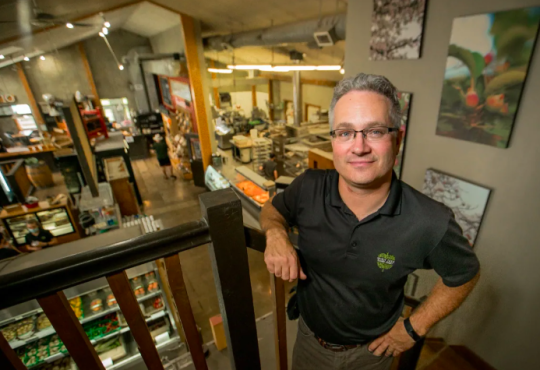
{"points": [[70, 330], [280, 322], [8, 358], [119, 284], [223, 212]]}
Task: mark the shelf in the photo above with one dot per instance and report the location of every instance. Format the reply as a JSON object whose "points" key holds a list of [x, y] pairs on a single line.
{"points": [[137, 357], [49, 331]]}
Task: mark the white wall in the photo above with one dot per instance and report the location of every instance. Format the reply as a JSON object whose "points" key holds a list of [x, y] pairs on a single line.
{"points": [[169, 41], [244, 99], [312, 94], [499, 321]]}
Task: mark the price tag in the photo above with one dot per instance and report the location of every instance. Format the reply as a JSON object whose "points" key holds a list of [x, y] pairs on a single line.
{"points": [[107, 362], [162, 338]]}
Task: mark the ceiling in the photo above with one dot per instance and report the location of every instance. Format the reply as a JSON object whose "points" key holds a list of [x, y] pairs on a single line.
{"points": [[146, 18]]}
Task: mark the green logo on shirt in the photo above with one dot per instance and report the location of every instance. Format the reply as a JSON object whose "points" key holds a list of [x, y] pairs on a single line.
{"points": [[385, 261]]}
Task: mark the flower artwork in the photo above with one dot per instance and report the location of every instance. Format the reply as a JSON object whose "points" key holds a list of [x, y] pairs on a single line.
{"points": [[468, 201], [404, 102], [396, 29], [486, 68]]}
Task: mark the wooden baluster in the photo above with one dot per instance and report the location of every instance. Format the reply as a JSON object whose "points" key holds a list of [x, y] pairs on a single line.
{"points": [[8, 358], [280, 321], [181, 299], [127, 302], [223, 212], [70, 330]]}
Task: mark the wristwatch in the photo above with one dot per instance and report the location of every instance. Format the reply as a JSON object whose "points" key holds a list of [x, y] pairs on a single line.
{"points": [[410, 330]]}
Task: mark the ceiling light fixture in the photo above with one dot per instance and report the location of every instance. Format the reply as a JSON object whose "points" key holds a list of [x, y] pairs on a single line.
{"points": [[107, 24], [42, 57], [285, 68], [101, 34], [121, 67], [26, 59], [2, 56], [220, 70], [105, 30], [342, 71], [69, 25], [248, 66]]}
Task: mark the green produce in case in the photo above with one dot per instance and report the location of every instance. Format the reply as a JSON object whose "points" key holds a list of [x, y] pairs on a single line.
{"points": [[108, 345], [103, 326]]}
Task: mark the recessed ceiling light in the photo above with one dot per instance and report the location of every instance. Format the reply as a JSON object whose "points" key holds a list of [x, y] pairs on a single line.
{"points": [[107, 24], [121, 67], [42, 57], [26, 59], [102, 34], [2, 56], [69, 25], [105, 30], [342, 71]]}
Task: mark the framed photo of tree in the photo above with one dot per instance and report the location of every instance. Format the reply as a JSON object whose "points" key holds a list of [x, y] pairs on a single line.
{"points": [[396, 29], [468, 201]]}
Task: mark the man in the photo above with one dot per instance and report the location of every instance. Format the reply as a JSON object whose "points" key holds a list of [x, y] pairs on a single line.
{"points": [[270, 168], [361, 233], [162, 154], [37, 237]]}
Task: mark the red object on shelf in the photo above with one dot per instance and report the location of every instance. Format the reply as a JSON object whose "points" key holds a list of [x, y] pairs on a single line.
{"points": [[92, 116]]}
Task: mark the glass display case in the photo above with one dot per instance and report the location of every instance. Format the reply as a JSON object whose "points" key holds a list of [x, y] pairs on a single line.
{"points": [[215, 180], [55, 220], [31, 335], [254, 189]]}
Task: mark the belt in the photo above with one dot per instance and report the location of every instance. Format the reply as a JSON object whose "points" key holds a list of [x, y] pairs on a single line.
{"points": [[337, 347]]}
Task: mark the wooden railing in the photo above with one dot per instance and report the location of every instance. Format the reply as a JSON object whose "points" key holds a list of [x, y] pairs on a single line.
{"points": [[45, 274]]}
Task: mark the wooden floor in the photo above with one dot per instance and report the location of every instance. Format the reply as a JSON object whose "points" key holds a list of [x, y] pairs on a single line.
{"points": [[176, 202]]}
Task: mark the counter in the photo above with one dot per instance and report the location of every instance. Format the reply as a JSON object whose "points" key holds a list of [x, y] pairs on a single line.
{"points": [[46, 153]]}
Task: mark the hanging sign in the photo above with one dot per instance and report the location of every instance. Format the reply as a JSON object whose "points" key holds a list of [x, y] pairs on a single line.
{"points": [[7, 99]]}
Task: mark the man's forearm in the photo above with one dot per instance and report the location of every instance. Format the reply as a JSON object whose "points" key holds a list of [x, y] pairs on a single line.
{"points": [[442, 301], [271, 220]]}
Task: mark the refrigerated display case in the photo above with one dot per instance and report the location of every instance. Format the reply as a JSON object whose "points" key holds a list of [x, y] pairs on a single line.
{"points": [[253, 189], [215, 180], [30, 334], [58, 219]]}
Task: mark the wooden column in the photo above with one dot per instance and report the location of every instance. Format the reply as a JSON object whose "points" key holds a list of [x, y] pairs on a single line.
{"points": [[215, 89], [89, 74], [254, 95], [8, 358], [181, 298], [33, 104], [127, 302], [192, 43], [280, 321], [271, 99], [70, 330]]}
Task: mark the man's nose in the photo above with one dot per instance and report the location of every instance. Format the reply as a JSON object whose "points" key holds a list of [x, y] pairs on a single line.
{"points": [[360, 144]]}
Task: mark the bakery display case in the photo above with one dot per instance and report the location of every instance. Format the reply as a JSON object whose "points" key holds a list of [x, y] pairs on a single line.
{"points": [[31, 335], [57, 218], [215, 180], [253, 189]]}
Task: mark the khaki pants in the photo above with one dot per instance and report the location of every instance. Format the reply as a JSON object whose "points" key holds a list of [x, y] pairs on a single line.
{"points": [[308, 354]]}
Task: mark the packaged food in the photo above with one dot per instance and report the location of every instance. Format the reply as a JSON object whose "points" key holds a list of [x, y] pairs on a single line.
{"points": [[138, 287], [42, 322], [152, 282], [262, 198], [26, 328], [9, 332], [96, 305], [111, 300], [158, 303], [77, 307]]}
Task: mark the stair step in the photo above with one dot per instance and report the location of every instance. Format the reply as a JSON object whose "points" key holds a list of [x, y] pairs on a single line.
{"points": [[449, 359]]}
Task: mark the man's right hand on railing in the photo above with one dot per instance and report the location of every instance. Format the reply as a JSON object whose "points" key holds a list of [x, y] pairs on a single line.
{"points": [[280, 257]]}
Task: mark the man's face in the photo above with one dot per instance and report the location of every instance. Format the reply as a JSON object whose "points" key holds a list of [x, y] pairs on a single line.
{"points": [[360, 162]]}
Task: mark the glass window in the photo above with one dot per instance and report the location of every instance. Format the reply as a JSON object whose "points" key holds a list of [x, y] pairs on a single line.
{"points": [[56, 221]]}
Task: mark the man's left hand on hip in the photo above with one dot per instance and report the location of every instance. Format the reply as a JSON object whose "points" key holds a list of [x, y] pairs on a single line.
{"points": [[392, 343]]}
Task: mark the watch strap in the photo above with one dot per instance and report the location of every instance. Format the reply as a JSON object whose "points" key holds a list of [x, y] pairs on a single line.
{"points": [[410, 330]]}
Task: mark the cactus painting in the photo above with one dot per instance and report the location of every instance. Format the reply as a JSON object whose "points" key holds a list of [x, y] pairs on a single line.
{"points": [[486, 68]]}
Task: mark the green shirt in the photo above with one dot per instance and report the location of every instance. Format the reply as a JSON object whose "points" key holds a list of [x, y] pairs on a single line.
{"points": [[161, 150]]}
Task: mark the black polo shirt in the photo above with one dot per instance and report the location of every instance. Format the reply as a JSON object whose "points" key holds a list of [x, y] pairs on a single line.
{"points": [[356, 270], [44, 236]]}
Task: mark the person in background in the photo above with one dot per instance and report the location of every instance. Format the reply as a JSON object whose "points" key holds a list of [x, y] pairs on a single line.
{"points": [[6, 249], [37, 237], [270, 168], [162, 154]]}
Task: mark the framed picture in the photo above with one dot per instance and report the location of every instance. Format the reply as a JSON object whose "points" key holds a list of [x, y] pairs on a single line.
{"points": [[404, 103], [396, 29], [468, 201], [486, 68]]}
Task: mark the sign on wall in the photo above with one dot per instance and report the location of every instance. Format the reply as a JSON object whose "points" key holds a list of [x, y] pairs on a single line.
{"points": [[7, 99]]}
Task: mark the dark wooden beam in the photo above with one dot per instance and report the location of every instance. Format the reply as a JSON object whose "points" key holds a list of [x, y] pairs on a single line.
{"points": [[8, 358], [280, 321]]}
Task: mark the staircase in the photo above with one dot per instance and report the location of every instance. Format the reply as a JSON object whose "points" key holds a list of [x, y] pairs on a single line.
{"points": [[437, 355]]}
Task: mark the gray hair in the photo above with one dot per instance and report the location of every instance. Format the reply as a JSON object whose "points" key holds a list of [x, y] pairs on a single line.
{"points": [[366, 82]]}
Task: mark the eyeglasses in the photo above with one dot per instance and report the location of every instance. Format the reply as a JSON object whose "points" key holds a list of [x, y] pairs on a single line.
{"points": [[371, 134]]}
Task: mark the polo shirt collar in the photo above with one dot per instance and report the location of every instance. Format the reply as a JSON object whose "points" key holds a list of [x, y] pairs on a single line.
{"points": [[391, 207]]}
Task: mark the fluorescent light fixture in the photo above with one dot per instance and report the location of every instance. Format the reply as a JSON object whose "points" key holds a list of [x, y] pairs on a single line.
{"points": [[249, 66], [107, 24], [274, 69], [42, 57], [105, 30], [121, 67], [125, 101], [342, 71], [26, 59], [328, 68], [69, 25], [105, 102], [101, 34], [21, 109], [220, 70], [2, 56]]}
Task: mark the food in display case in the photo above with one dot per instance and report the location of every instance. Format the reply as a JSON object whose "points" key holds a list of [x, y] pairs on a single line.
{"points": [[42, 322], [102, 326], [253, 191], [18, 228], [96, 305], [137, 285], [151, 281], [26, 328], [76, 306], [56, 221], [62, 364], [9, 332]]}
